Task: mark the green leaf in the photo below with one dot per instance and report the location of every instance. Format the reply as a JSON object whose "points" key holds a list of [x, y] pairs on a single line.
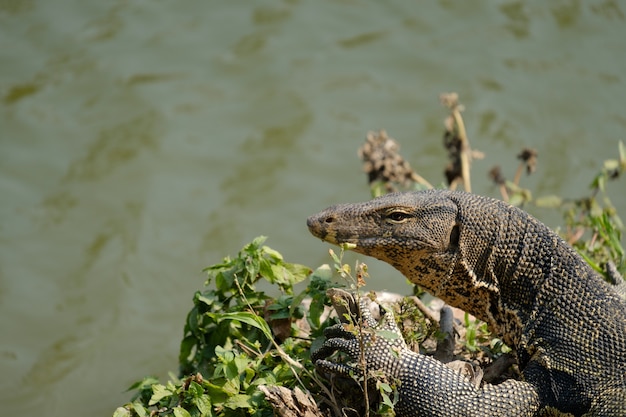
{"points": [[181, 412], [238, 401], [218, 394], [323, 273], [280, 314], [257, 242], [204, 404], [387, 334], [224, 281], [316, 309], [386, 399], [160, 391], [121, 412], [241, 362], [192, 322], [253, 266], [275, 255], [139, 409], [195, 389], [296, 301], [591, 262], [281, 275], [186, 346], [299, 272], [204, 299], [225, 355], [226, 263], [317, 343], [143, 384], [250, 372], [250, 319], [383, 387], [265, 269]]}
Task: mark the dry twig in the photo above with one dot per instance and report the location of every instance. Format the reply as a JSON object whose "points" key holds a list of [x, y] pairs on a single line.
{"points": [[457, 143]]}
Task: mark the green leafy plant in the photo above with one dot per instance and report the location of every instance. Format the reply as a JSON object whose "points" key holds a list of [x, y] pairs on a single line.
{"points": [[593, 226], [237, 338], [233, 310]]}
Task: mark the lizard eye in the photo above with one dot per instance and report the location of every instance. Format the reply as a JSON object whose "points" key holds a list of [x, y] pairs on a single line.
{"points": [[397, 216]]}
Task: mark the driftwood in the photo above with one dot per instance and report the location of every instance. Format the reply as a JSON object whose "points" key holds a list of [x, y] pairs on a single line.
{"points": [[291, 403]]}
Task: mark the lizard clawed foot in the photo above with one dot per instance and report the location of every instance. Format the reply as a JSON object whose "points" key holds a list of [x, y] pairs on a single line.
{"points": [[370, 345]]}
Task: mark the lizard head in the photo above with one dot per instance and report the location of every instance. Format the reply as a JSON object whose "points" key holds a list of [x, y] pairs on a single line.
{"points": [[455, 245], [415, 232]]}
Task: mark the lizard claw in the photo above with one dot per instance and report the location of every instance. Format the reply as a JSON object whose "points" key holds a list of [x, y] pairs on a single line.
{"points": [[338, 330], [338, 339], [338, 368], [359, 336]]}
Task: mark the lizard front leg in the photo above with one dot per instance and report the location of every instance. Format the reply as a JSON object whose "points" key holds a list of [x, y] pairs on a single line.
{"points": [[426, 387]]}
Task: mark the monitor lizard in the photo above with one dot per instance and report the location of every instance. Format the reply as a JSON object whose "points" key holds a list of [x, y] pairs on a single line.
{"points": [[497, 262]]}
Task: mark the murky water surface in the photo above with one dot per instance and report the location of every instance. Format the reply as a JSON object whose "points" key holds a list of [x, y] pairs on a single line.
{"points": [[141, 141]]}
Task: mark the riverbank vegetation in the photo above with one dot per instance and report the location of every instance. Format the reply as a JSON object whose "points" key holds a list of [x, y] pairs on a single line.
{"points": [[247, 338]]}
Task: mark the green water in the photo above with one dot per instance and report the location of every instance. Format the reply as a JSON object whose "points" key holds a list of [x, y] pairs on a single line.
{"points": [[141, 141]]}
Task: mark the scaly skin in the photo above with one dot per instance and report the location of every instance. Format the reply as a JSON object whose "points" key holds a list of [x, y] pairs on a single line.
{"points": [[500, 264]]}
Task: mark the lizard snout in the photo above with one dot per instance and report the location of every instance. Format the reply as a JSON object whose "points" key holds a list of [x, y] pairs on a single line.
{"points": [[319, 224]]}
